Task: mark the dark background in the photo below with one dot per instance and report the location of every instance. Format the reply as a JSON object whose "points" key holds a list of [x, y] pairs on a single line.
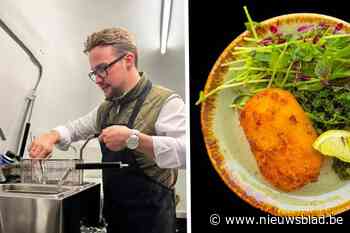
{"points": [[212, 26]]}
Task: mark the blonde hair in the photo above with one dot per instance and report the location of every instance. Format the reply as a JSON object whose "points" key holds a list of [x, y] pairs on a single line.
{"points": [[121, 39]]}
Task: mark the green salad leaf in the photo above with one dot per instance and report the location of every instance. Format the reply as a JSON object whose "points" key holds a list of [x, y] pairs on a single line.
{"points": [[307, 60]]}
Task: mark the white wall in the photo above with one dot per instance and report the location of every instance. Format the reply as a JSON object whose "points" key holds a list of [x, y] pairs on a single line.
{"points": [[55, 31]]}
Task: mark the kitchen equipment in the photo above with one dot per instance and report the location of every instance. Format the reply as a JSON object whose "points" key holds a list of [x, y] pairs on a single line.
{"points": [[43, 208], [2, 176], [56, 171], [2, 135], [49, 171], [35, 189], [52, 196], [52, 171]]}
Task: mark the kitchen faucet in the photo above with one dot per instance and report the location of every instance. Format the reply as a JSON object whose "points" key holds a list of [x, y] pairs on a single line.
{"points": [[2, 176], [84, 145], [2, 135]]}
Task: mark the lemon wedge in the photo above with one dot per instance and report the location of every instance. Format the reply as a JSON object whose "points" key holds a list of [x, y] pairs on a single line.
{"points": [[335, 143]]}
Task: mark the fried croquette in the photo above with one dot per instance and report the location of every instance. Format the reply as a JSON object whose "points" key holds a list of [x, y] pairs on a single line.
{"points": [[280, 135]]}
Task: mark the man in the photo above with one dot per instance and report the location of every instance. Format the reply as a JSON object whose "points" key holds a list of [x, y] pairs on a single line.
{"points": [[140, 124]]}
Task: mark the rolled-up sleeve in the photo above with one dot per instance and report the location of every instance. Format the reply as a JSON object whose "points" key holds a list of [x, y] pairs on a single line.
{"points": [[170, 143], [76, 130]]}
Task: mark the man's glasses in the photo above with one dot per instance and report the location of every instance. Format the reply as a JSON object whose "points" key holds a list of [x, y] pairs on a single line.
{"points": [[101, 70]]}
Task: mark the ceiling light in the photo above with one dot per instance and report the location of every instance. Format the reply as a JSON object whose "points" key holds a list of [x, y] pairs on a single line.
{"points": [[165, 24]]}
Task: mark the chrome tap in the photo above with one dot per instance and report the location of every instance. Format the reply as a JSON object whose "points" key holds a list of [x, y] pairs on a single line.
{"points": [[2, 135], [84, 145], [2, 176]]}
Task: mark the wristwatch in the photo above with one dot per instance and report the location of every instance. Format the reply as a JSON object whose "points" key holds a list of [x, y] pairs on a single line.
{"points": [[133, 141]]}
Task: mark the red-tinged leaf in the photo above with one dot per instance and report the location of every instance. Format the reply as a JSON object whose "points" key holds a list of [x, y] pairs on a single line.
{"points": [[302, 77], [323, 26], [316, 39], [273, 29], [339, 27], [304, 28], [266, 41]]}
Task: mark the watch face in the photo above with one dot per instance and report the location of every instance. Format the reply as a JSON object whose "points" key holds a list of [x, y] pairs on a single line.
{"points": [[133, 142]]}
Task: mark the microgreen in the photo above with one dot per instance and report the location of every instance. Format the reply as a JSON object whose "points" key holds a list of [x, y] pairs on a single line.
{"points": [[306, 60]]}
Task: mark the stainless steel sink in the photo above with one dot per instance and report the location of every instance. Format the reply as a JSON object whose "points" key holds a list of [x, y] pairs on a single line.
{"points": [[34, 189], [42, 208], [47, 191]]}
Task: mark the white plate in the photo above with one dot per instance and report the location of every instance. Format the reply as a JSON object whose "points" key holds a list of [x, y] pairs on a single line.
{"points": [[230, 153]]}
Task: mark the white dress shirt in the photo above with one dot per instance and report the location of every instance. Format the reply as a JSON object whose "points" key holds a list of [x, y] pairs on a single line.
{"points": [[169, 145]]}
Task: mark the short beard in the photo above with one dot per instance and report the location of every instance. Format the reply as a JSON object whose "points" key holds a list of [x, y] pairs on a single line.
{"points": [[116, 92]]}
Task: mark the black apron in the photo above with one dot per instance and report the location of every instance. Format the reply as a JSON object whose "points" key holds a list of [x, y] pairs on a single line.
{"points": [[134, 202]]}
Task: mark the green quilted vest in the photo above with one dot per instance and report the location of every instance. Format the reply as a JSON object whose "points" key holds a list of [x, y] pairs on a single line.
{"points": [[117, 111]]}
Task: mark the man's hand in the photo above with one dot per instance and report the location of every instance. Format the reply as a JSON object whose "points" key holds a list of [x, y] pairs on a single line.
{"points": [[42, 146], [115, 137]]}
